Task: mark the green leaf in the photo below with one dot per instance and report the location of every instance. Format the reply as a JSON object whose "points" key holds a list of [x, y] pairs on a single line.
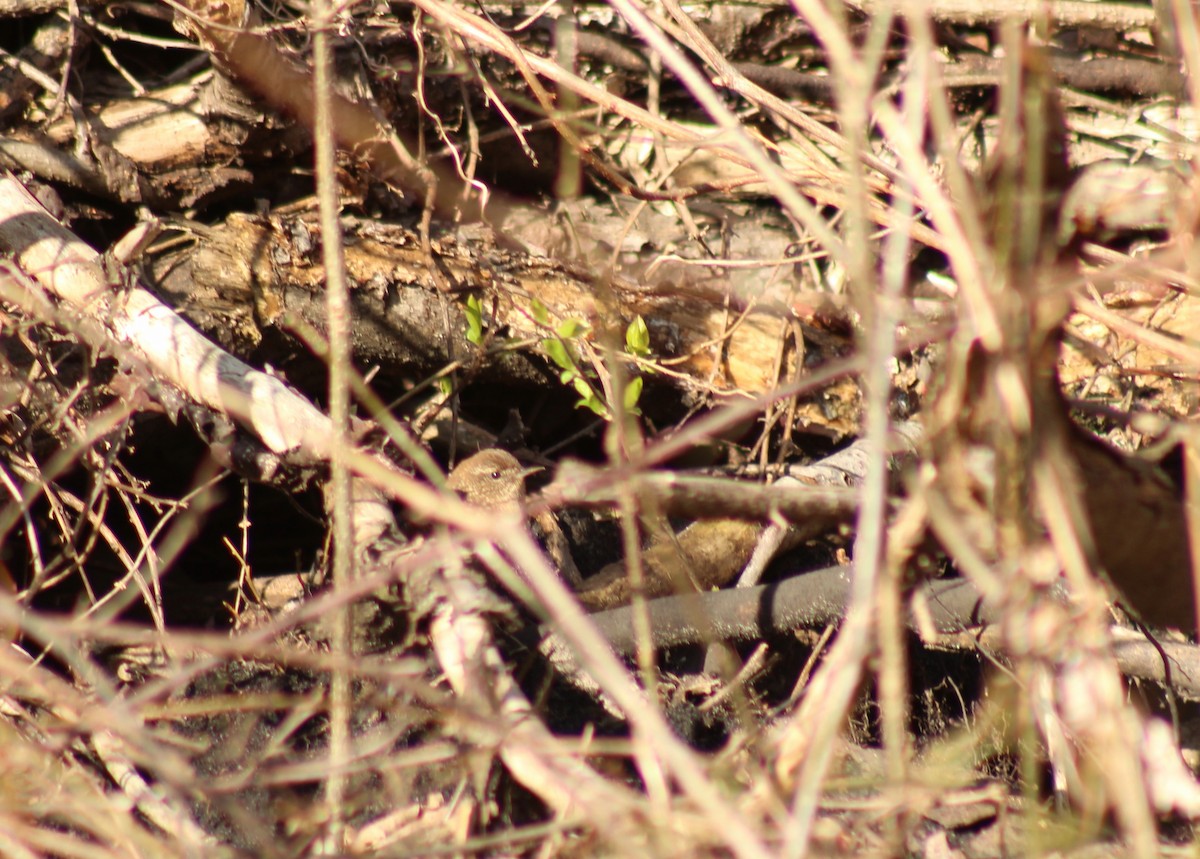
{"points": [[540, 314], [445, 386], [633, 392], [571, 328], [474, 313], [637, 337], [583, 388], [594, 404], [557, 350]]}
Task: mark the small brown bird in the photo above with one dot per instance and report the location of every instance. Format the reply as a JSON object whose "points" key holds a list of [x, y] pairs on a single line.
{"points": [[1139, 523], [494, 479], [491, 478]]}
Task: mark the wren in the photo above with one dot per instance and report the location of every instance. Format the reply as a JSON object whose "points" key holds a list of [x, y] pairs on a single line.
{"points": [[492, 478]]}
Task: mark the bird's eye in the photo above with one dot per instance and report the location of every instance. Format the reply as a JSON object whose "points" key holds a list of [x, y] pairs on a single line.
{"points": [[495, 475]]}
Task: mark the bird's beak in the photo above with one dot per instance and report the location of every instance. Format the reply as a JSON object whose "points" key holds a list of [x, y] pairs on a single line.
{"points": [[534, 469]]}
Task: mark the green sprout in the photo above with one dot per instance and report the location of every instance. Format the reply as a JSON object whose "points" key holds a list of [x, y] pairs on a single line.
{"points": [[474, 313], [637, 338], [562, 352]]}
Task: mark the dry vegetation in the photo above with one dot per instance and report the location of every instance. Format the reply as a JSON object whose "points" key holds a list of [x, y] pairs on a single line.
{"points": [[856, 346]]}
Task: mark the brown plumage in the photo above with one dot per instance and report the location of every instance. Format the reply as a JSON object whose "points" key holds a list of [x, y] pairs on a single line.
{"points": [[491, 478], [494, 479], [1140, 532]]}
